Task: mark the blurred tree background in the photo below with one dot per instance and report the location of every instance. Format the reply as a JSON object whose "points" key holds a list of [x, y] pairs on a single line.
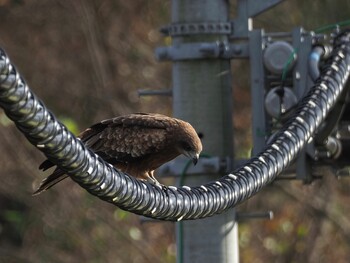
{"points": [[86, 59]]}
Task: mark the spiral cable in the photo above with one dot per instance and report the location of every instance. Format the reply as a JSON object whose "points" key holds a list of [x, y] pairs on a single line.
{"points": [[101, 179]]}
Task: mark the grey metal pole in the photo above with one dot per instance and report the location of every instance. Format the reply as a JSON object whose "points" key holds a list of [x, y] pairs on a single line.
{"points": [[202, 95]]}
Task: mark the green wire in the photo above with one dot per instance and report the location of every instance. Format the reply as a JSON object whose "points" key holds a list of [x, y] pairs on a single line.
{"points": [[187, 166], [332, 26], [318, 30], [289, 61], [182, 179]]}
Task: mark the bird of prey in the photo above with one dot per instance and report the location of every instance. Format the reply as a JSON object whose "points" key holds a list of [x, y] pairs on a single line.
{"points": [[136, 144]]}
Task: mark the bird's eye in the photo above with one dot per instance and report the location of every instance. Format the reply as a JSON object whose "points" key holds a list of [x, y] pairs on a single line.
{"points": [[186, 146]]}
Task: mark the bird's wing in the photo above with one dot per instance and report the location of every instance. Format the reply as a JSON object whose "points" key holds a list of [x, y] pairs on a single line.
{"points": [[120, 140], [124, 138], [128, 138]]}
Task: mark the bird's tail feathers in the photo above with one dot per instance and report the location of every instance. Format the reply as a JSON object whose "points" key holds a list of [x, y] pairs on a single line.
{"points": [[54, 178], [46, 165]]}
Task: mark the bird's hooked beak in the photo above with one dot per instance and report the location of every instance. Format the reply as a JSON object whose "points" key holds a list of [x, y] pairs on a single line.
{"points": [[192, 155], [195, 159]]}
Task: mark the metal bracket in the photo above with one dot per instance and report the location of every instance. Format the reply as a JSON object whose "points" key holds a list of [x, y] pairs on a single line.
{"points": [[246, 10], [185, 29], [202, 50], [238, 28]]}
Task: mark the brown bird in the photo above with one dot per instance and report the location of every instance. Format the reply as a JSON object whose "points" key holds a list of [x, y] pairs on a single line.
{"points": [[136, 144]]}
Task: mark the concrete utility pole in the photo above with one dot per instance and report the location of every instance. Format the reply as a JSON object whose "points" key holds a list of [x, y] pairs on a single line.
{"points": [[202, 95]]}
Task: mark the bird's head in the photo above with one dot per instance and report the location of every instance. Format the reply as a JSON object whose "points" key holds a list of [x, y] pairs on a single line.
{"points": [[189, 143]]}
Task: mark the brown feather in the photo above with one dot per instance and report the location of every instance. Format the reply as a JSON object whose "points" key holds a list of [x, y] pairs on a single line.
{"points": [[136, 144]]}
